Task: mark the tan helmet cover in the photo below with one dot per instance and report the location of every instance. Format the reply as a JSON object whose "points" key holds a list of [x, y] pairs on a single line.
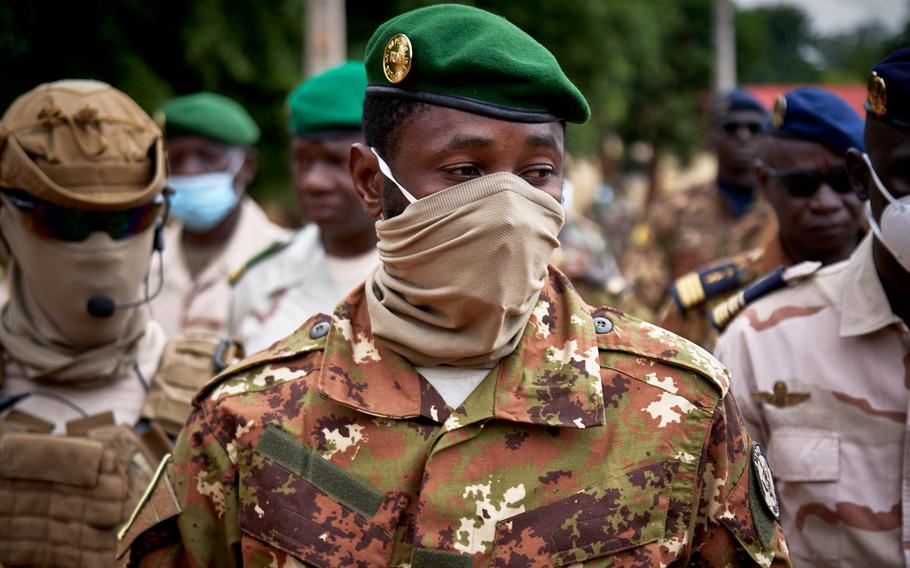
{"points": [[81, 144]]}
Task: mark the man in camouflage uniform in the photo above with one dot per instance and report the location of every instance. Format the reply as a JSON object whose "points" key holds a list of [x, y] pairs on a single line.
{"points": [[821, 366], [801, 174], [464, 407], [82, 174], [696, 226]]}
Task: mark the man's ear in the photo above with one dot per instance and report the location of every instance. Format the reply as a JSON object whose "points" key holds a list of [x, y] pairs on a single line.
{"points": [[248, 170], [858, 173], [368, 180]]}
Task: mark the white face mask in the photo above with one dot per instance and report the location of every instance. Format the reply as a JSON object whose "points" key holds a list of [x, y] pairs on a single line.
{"points": [[894, 229], [387, 172]]}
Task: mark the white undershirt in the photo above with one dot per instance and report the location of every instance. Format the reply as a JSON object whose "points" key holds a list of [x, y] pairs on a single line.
{"points": [[454, 384]]}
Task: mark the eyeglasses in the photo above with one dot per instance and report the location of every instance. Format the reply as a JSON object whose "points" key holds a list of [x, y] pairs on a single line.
{"points": [[732, 128], [804, 183], [75, 225]]}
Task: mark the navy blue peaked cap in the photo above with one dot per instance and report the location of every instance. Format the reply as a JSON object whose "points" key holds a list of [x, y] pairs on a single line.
{"points": [[816, 115]]}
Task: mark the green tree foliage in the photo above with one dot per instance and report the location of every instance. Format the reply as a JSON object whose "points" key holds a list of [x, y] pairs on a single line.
{"points": [[774, 44], [153, 50]]}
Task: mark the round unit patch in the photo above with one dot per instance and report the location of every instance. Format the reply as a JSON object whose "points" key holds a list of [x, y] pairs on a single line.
{"points": [[765, 481], [396, 59]]}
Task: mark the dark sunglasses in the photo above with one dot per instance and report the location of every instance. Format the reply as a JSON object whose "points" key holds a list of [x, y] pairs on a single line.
{"points": [[804, 183], [732, 128], [75, 225]]}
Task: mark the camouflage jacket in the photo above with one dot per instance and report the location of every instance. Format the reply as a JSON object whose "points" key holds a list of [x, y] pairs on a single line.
{"points": [[686, 231], [601, 440]]}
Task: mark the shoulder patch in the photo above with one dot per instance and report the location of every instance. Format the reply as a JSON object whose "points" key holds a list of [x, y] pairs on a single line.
{"points": [[692, 289], [302, 341], [637, 337], [235, 275], [724, 312]]}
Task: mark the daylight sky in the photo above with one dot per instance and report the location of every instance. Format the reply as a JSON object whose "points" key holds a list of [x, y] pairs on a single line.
{"points": [[831, 16]]}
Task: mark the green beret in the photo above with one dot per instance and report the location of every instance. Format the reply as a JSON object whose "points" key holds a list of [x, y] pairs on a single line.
{"points": [[212, 116], [465, 58], [329, 102]]}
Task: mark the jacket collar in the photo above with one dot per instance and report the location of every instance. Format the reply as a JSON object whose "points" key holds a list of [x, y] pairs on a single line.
{"points": [[864, 306], [552, 377]]}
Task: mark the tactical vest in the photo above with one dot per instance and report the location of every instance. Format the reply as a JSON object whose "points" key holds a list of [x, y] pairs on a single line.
{"points": [[63, 498]]}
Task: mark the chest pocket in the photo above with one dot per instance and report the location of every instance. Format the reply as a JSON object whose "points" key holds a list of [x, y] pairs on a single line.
{"points": [[298, 502], [624, 514], [805, 454]]}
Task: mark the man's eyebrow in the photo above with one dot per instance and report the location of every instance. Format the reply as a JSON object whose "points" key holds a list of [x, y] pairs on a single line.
{"points": [[463, 142], [542, 140]]}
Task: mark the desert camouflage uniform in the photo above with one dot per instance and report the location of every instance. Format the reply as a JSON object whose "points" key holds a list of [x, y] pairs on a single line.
{"points": [[821, 372], [741, 269], [600, 441], [686, 231]]}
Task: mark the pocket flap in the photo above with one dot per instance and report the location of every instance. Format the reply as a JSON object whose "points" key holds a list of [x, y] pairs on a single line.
{"points": [[805, 454], [625, 511], [41, 457], [297, 501]]}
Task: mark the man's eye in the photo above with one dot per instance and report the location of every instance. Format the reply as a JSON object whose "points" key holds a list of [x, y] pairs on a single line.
{"points": [[538, 174], [463, 171]]}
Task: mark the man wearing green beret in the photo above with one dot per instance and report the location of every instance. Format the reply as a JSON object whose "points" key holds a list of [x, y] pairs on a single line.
{"points": [[465, 407], [282, 287], [210, 141]]}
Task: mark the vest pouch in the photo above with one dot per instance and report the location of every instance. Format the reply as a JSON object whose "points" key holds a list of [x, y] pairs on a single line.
{"points": [[62, 498]]}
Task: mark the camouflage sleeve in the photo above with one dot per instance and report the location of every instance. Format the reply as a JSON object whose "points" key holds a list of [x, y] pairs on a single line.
{"points": [[203, 477], [737, 509]]}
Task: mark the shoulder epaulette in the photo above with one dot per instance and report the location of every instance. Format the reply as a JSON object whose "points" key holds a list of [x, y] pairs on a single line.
{"points": [[310, 336], [781, 276], [631, 335], [692, 289], [235, 275]]}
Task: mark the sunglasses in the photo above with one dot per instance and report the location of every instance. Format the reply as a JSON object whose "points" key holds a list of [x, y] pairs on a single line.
{"points": [[732, 128], [75, 225], [804, 183]]}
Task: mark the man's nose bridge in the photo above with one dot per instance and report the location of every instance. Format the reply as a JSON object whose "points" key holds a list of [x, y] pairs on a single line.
{"points": [[825, 197]]}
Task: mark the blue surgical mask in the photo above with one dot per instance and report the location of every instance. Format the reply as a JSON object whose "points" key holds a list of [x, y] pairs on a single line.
{"points": [[202, 201]]}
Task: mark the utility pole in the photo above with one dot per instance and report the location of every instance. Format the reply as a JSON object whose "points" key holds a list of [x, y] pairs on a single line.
{"points": [[724, 47], [324, 36]]}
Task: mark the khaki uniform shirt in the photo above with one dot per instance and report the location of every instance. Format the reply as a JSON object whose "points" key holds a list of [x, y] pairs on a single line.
{"points": [[686, 231], [123, 396], [821, 373], [203, 303], [600, 441], [276, 295]]}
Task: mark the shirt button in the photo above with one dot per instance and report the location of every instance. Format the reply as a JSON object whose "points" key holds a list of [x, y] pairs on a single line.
{"points": [[319, 330], [602, 325]]}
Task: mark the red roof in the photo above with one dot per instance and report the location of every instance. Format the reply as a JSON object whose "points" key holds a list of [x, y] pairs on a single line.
{"points": [[853, 94]]}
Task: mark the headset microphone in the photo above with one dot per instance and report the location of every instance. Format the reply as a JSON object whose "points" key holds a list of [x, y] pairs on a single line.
{"points": [[103, 306]]}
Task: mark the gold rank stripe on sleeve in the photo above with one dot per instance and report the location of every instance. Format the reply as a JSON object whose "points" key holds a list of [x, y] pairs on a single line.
{"points": [[722, 313], [690, 290]]}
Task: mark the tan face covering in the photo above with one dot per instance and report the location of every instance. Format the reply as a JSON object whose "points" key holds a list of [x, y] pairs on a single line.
{"points": [[46, 327], [461, 271]]}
